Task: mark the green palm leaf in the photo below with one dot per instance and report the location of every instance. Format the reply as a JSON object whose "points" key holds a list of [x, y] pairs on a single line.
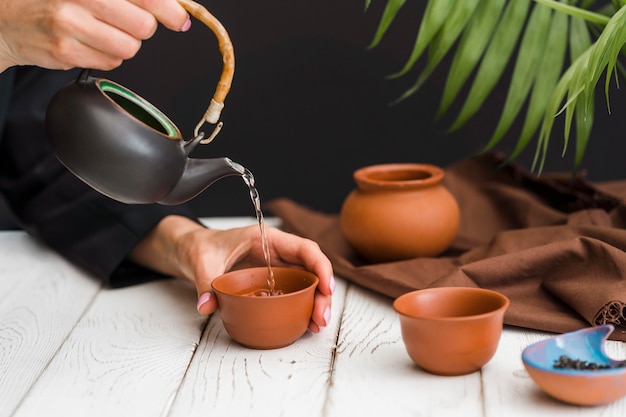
{"points": [[549, 69], [579, 42], [578, 85], [470, 50], [495, 59], [389, 14], [529, 58], [434, 18], [445, 38], [563, 89], [489, 33]]}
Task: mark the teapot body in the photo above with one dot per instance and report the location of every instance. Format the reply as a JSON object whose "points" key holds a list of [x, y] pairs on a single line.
{"points": [[125, 148], [136, 159]]}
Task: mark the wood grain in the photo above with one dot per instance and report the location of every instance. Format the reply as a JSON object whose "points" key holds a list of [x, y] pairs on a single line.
{"points": [[375, 376], [71, 348], [126, 356], [43, 297]]}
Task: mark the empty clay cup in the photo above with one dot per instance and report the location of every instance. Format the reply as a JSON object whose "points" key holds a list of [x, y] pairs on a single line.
{"points": [[451, 330], [265, 321]]}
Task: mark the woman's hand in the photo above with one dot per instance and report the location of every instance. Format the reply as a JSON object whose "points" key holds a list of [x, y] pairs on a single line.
{"points": [[98, 34], [180, 247]]}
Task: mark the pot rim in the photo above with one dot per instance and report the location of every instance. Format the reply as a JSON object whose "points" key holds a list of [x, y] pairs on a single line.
{"points": [[109, 89], [399, 175]]}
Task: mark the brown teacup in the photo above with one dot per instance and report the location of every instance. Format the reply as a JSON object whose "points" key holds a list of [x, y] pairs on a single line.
{"points": [[265, 321], [451, 330]]}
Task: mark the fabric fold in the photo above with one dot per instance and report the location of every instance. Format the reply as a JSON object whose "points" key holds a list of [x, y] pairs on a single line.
{"points": [[553, 244]]}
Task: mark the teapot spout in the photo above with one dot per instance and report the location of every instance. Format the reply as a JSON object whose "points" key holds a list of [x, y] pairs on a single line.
{"points": [[199, 174]]}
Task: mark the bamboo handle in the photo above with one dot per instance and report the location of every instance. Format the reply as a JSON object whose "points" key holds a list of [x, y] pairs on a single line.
{"points": [[212, 114]]}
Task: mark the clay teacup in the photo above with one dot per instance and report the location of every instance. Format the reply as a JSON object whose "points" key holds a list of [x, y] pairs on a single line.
{"points": [[265, 321], [451, 330]]}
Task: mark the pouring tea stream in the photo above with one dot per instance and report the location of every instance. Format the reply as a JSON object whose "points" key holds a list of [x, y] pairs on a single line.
{"points": [[125, 148]]}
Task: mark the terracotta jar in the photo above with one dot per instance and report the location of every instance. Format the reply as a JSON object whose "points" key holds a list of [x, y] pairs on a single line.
{"points": [[399, 211]]}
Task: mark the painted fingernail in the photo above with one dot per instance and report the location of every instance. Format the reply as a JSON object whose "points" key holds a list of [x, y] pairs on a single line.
{"points": [[327, 316], [187, 25], [204, 298], [332, 284]]}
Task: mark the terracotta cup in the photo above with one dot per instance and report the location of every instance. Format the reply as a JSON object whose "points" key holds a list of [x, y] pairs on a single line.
{"points": [[451, 330], [265, 322]]}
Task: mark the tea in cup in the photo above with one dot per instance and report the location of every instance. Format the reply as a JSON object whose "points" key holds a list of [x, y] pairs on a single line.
{"points": [[259, 319]]}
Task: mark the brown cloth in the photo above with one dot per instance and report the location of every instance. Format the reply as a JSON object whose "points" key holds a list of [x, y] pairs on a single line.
{"points": [[553, 244]]}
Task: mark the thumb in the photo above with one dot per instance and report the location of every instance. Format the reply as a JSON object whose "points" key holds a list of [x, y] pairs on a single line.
{"points": [[207, 303]]}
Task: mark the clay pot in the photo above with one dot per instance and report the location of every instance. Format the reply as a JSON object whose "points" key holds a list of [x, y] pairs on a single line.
{"points": [[451, 330], [399, 211], [265, 322]]}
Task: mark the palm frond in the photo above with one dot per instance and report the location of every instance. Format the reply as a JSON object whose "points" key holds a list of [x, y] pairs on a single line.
{"points": [[529, 58], [445, 39], [434, 19], [470, 50], [577, 87], [389, 14], [549, 69], [486, 35], [580, 41]]}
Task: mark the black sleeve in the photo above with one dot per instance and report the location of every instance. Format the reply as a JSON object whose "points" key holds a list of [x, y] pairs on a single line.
{"points": [[87, 228]]}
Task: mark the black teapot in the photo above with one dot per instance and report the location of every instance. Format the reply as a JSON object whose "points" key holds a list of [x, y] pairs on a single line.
{"points": [[127, 149]]}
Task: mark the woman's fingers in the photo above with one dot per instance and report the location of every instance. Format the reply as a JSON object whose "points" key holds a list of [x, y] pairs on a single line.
{"points": [[169, 12], [98, 34]]}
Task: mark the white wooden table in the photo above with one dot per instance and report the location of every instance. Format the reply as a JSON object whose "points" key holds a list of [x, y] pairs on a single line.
{"points": [[69, 347]]}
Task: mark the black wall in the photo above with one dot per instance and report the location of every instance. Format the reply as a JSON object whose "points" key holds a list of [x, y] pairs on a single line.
{"points": [[309, 102]]}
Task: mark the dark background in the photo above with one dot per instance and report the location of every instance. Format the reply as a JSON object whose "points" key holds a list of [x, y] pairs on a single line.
{"points": [[309, 101]]}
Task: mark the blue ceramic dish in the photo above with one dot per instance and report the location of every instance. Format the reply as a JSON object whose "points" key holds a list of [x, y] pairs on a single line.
{"points": [[577, 386]]}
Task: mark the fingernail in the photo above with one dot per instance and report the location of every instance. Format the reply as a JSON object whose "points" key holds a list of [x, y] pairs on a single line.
{"points": [[332, 285], [327, 316], [204, 298], [187, 25]]}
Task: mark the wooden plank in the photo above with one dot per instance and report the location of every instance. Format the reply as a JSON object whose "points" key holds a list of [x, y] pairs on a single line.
{"points": [[375, 376], [226, 379], [43, 297], [67, 348], [126, 356], [510, 391]]}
